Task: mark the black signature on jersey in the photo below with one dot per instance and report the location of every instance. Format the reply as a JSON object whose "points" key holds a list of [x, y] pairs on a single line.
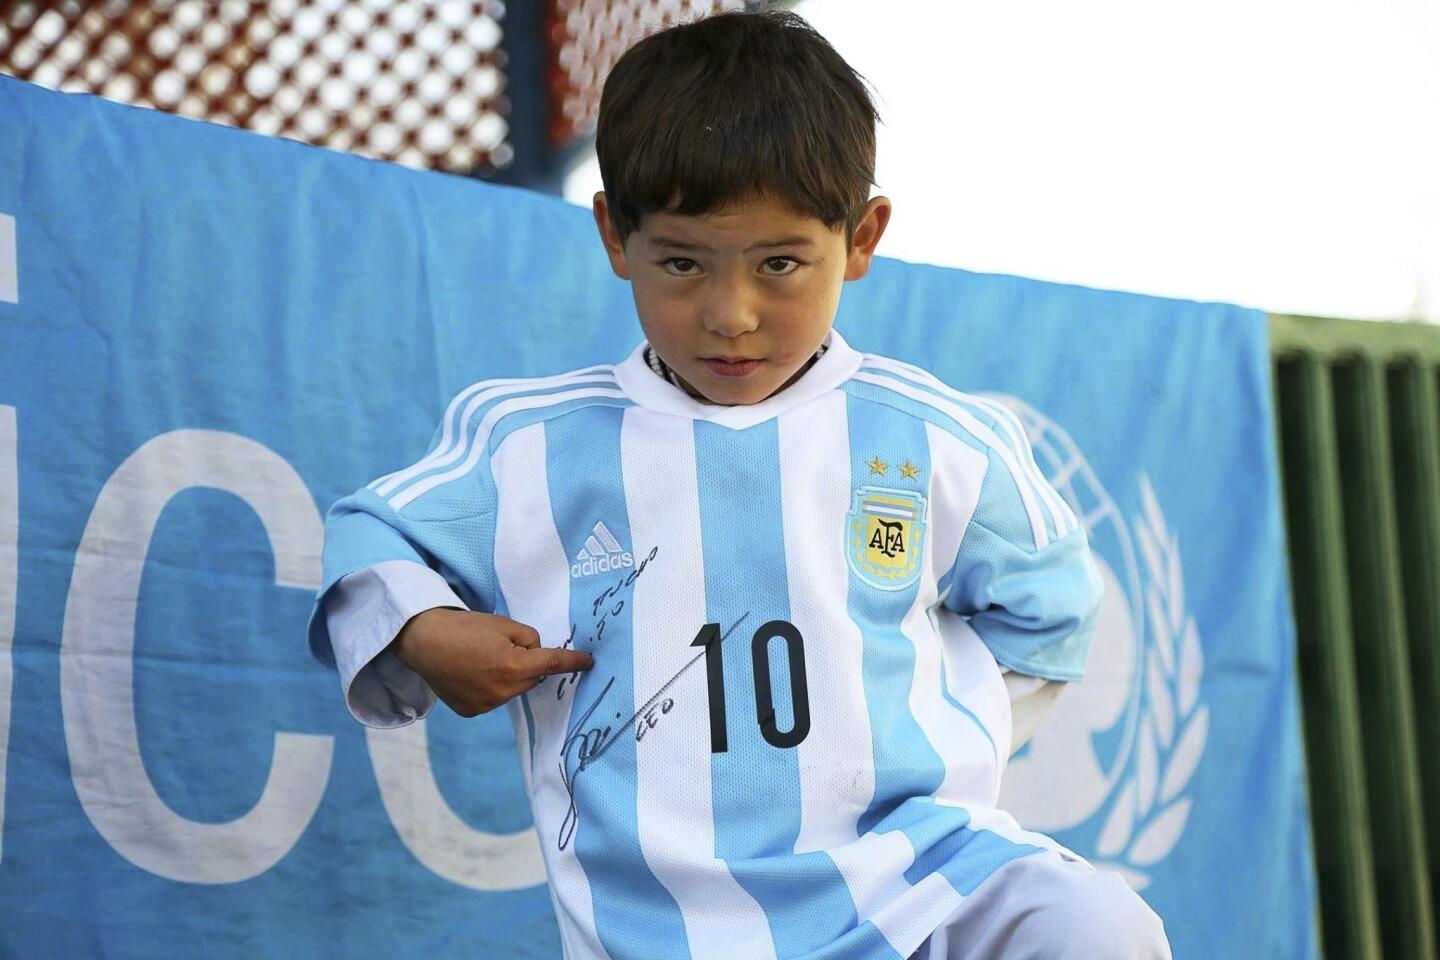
{"points": [[586, 744], [567, 682]]}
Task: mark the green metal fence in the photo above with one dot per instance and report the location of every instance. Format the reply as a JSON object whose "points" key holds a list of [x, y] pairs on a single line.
{"points": [[1359, 430]]}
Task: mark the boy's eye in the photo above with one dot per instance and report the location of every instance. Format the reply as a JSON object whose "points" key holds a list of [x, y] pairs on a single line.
{"points": [[682, 266], [779, 266]]}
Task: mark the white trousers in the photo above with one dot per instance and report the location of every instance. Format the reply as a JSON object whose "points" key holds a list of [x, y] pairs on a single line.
{"points": [[1047, 907]]}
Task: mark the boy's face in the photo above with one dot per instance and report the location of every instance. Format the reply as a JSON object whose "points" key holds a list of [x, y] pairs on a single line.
{"points": [[738, 300]]}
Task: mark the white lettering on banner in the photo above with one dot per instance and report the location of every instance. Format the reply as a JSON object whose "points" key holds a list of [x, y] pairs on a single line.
{"points": [[97, 671], [9, 581], [430, 829], [9, 262]]}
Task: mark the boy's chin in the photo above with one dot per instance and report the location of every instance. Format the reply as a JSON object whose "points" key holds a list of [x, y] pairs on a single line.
{"points": [[736, 398], [736, 392]]}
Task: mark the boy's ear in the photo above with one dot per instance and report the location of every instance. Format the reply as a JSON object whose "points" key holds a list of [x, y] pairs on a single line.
{"points": [[867, 234], [609, 236]]}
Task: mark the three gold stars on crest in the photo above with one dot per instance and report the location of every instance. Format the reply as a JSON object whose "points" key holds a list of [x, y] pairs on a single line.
{"points": [[907, 469]]}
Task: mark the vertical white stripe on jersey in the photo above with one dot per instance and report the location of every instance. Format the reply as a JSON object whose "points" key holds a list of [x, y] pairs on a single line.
{"points": [[537, 593], [524, 749], [971, 674], [523, 752], [836, 759], [522, 742], [672, 766], [1009, 425], [917, 916], [979, 431], [454, 429], [477, 443], [964, 749], [961, 471], [874, 868], [973, 678]]}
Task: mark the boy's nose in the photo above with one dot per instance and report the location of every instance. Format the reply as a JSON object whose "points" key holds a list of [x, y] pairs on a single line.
{"points": [[729, 313]]}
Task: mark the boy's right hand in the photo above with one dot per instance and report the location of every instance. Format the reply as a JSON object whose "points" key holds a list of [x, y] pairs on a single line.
{"points": [[477, 661]]}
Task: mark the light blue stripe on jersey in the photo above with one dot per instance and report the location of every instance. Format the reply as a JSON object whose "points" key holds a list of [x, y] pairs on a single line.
{"points": [[865, 942], [1037, 498], [529, 725], [509, 423], [1005, 517], [945, 692], [465, 409], [968, 857], [451, 434], [502, 428], [879, 395], [947, 845], [635, 916], [906, 765], [1056, 515], [463, 421], [1005, 493], [924, 411], [502, 609], [755, 785]]}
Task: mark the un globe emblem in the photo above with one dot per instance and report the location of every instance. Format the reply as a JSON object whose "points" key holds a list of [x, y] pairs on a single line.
{"points": [[1113, 759]]}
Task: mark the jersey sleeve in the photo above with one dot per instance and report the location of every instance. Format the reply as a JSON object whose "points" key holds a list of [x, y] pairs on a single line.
{"points": [[1024, 574], [439, 513]]}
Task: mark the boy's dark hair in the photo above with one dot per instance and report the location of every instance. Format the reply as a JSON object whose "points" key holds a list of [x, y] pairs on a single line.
{"points": [[708, 112]]}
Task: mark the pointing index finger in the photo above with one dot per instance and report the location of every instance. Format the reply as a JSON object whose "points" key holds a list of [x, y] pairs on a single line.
{"points": [[542, 661]]}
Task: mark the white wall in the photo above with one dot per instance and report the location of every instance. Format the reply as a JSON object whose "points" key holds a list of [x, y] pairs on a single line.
{"points": [[1277, 154]]}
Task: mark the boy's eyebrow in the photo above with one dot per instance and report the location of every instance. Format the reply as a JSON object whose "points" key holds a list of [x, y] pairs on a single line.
{"points": [[672, 244]]}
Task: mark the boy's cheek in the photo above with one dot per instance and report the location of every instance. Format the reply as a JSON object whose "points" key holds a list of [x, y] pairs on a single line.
{"points": [[660, 317]]}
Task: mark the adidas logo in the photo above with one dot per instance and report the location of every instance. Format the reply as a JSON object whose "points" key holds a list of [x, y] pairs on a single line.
{"points": [[602, 553]]}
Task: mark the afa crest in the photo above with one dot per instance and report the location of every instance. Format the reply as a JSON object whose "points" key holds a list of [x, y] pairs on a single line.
{"points": [[885, 536]]}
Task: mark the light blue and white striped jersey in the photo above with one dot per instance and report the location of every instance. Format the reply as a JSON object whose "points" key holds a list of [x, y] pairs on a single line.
{"points": [[791, 740]]}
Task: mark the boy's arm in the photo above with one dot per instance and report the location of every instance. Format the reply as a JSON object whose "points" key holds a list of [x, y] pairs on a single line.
{"points": [[383, 545], [364, 612], [414, 623], [1023, 574], [1030, 701]]}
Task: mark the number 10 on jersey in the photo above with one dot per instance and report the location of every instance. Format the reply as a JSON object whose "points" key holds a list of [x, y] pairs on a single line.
{"points": [[709, 638]]}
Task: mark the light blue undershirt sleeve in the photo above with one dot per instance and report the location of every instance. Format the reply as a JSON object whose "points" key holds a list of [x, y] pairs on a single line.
{"points": [[364, 611]]}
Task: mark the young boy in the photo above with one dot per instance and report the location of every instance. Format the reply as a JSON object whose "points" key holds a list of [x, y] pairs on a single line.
{"points": [[757, 603]]}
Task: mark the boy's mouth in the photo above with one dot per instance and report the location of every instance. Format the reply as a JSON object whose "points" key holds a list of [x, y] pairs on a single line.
{"points": [[739, 367]]}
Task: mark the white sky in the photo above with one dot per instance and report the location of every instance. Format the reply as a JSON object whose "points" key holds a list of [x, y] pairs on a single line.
{"points": [[1272, 153]]}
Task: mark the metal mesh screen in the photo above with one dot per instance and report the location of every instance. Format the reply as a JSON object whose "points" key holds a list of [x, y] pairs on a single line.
{"points": [[415, 81], [584, 39]]}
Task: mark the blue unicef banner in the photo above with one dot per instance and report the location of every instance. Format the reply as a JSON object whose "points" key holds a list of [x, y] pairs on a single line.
{"points": [[207, 337]]}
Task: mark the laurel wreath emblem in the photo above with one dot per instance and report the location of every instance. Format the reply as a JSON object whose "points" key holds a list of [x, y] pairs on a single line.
{"points": [[1151, 804]]}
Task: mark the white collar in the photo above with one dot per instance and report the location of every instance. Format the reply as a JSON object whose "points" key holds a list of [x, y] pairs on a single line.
{"points": [[835, 366]]}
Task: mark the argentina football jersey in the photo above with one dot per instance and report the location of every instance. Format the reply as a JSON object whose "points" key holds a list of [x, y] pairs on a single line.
{"points": [[791, 741]]}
